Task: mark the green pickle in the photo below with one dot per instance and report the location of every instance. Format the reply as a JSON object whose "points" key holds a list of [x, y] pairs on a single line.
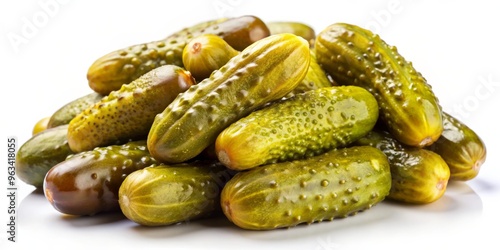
{"points": [[419, 176], [409, 109], [129, 112], [335, 184], [461, 148], [205, 54], [304, 125], [87, 183], [40, 153], [162, 195]]}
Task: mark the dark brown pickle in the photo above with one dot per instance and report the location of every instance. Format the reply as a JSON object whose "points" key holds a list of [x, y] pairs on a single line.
{"points": [[87, 183]]}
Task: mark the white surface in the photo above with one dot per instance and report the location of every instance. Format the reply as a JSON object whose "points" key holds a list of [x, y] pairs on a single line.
{"points": [[454, 44]]}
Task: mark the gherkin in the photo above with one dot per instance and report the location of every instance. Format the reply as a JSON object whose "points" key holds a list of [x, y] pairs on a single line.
{"points": [[304, 125], [352, 55], [418, 175], [87, 183], [332, 185]]}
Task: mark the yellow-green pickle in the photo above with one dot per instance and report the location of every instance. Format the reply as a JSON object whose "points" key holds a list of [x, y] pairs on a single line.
{"points": [[40, 153], [162, 195], [129, 112], [40, 125], [352, 55], [419, 176], [87, 183], [205, 54], [332, 185], [461, 148], [122, 66], [304, 125], [265, 71]]}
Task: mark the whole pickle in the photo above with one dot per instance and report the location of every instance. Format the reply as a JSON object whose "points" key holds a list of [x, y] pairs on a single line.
{"points": [[162, 195], [352, 55], [123, 66], [461, 148], [418, 175], [297, 28], [129, 112], [66, 113], [205, 54], [332, 185], [265, 71], [40, 153], [304, 125], [87, 183]]}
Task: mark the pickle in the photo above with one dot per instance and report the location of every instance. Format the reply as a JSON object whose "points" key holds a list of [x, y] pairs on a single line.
{"points": [[265, 71], [123, 66], [302, 126], [40, 153], [66, 113], [205, 54], [419, 176], [461, 148], [332, 185], [352, 55], [161, 195], [297, 28], [129, 112], [87, 183]]}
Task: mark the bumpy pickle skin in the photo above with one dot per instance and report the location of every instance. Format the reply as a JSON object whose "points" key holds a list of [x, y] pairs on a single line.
{"points": [[162, 194], [419, 176], [265, 71], [40, 153], [335, 184], [302, 126], [70, 110], [129, 112], [205, 54], [87, 183], [461, 148], [352, 55], [123, 66]]}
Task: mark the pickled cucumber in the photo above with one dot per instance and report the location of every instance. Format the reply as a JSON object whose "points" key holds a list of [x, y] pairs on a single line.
{"points": [[332, 185], [461, 148], [166, 194], [129, 112], [302, 126], [40, 153], [419, 176], [87, 183], [352, 55]]}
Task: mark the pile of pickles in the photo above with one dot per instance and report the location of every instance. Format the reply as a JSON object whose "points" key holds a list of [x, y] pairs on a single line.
{"points": [[269, 124]]}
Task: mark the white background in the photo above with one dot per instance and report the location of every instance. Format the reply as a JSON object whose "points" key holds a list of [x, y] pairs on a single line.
{"points": [[454, 44]]}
